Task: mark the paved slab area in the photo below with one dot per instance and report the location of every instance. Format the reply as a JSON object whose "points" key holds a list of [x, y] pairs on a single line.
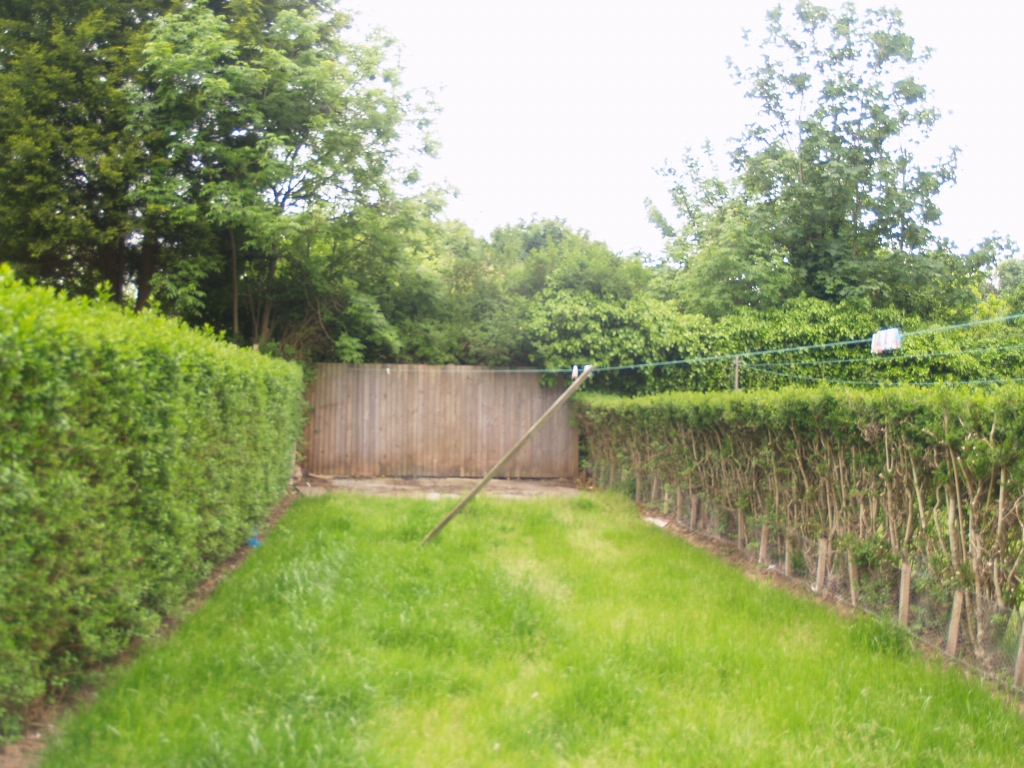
{"points": [[435, 487]]}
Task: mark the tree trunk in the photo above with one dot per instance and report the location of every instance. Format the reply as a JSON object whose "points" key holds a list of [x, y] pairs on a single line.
{"points": [[144, 280], [111, 268], [234, 283], [268, 303]]}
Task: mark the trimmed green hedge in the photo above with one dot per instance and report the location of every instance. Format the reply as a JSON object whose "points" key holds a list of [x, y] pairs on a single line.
{"points": [[135, 454], [929, 475]]}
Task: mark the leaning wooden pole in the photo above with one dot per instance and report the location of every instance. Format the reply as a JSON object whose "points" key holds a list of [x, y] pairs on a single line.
{"points": [[512, 452]]}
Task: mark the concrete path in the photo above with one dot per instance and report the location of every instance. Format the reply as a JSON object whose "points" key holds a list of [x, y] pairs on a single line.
{"points": [[435, 488]]}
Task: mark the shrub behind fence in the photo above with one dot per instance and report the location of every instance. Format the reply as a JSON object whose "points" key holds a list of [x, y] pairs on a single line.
{"points": [[135, 454]]}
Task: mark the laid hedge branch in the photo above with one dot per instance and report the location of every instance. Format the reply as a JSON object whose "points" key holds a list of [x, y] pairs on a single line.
{"points": [[135, 454]]}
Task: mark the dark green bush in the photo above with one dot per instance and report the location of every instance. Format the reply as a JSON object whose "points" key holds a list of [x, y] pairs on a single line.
{"points": [[135, 454], [778, 348]]}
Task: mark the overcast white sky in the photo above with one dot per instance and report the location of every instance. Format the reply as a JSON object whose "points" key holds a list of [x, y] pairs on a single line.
{"points": [[566, 109]]}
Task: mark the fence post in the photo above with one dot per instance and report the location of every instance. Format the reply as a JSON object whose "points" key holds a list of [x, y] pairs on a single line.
{"points": [[953, 636], [905, 573], [639, 490], [762, 552], [854, 577], [819, 581], [654, 490], [788, 568], [694, 511], [741, 530], [664, 500], [1018, 668], [679, 503]]}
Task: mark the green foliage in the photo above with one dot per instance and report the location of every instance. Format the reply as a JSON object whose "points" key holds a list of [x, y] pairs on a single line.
{"points": [[68, 157], [272, 129], [904, 473], [533, 632], [572, 327], [163, 147], [541, 294], [237, 162], [1010, 641], [568, 328], [475, 314], [974, 353], [470, 301], [1011, 275], [135, 454], [361, 288], [828, 200]]}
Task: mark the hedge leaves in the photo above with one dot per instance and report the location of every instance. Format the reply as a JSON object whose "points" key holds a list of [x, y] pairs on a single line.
{"points": [[135, 454]]}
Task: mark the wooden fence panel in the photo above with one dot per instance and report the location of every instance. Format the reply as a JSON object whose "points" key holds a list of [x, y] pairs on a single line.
{"points": [[433, 421]]}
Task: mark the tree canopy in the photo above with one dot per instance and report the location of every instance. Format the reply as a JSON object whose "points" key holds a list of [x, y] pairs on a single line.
{"points": [[828, 199], [158, 147], [241, 164], [68, 156]]}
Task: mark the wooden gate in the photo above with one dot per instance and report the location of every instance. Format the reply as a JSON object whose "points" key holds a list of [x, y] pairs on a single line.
{"points": [[433, 421]]}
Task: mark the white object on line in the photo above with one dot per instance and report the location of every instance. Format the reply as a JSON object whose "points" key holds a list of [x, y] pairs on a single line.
{"points": [[575, 372], [886, 340]]}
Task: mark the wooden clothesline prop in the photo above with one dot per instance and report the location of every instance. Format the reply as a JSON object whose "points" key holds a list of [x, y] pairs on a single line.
{"points": [[512, 452]]}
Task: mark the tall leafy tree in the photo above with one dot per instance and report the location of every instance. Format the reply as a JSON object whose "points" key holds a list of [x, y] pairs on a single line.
{"points": [[828, 198], [68, 161], [361, 288], [156, 147], [272, 125]]}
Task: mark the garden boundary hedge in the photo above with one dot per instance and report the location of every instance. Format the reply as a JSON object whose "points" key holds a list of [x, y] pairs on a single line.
{"points": [[135, 454], [899, 480]]}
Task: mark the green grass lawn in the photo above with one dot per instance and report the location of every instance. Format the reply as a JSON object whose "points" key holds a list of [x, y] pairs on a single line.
{"points": [[554, 632]]}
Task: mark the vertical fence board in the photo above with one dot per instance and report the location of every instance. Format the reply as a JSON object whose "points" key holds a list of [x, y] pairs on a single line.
{"points": [[432, 421]]}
